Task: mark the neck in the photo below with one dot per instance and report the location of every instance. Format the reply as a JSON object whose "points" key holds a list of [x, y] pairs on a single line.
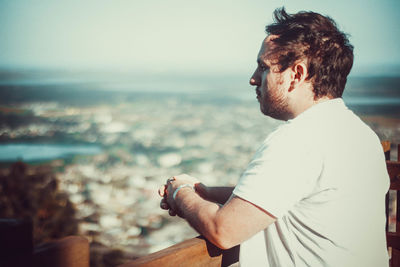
{"points": [[303, 106]]}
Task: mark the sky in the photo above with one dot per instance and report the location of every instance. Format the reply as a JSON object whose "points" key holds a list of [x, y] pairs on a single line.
{"points": [[181, 36]]}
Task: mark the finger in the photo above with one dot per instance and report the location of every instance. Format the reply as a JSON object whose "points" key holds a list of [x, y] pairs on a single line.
{"points": [[170, 179], [164, 205], [161, 190], [187, 178], [172, 212]]}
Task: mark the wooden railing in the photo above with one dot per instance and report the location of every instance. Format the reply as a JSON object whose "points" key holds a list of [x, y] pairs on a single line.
{"points": [[16, 244], [16, 248], [194, 252], [393, 237]]}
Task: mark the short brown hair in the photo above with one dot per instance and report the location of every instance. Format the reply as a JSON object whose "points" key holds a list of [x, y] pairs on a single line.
{"points": [[315, 38]]}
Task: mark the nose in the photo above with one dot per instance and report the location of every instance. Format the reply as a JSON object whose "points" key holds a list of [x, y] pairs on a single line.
{"points": [[254, 80]]}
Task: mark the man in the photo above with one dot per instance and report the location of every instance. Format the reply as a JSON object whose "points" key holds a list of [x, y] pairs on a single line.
{"points": [[313, 195]]}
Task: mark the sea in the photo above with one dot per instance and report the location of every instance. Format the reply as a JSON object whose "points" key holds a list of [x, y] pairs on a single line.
{"points": [[22, 91], [41, 152]]}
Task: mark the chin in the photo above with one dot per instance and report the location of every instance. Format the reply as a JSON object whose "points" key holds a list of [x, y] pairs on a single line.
{"points": [[282, 116]]}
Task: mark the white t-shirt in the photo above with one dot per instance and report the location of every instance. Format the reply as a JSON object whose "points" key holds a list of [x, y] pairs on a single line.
{"points": [[323, 176]]}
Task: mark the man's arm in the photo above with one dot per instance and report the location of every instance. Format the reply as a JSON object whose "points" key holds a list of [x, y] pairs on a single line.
{"points": [[218, 194], [225, 226]]}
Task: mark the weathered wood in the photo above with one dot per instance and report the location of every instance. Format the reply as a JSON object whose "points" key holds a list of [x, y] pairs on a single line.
{"points": [[194, 252], [71, 251], [16, 248], [395, 260], [398, 214], [16, 243], [387, 211], [386, 149], [393, 168], [393, 238], [398, 152]]}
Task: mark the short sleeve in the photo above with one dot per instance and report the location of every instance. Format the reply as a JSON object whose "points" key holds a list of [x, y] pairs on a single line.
{"points": [[283, 171]]}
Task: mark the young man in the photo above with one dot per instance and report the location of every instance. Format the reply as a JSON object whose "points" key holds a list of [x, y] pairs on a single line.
{"points": [[313, 194]]}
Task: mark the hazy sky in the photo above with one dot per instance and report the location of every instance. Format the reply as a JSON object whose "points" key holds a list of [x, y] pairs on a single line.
{"points": [[178, 35]]}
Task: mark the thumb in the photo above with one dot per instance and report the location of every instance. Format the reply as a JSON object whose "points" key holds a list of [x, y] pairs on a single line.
{"points": [[161, 190]]}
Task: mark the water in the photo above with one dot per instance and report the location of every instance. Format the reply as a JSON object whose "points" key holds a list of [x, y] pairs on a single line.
{"points": [[38, 152], [371, 101]]}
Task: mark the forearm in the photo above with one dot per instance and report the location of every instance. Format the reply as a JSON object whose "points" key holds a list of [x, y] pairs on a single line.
{"points": [[203, 216], [218, 194], [224, 225]]}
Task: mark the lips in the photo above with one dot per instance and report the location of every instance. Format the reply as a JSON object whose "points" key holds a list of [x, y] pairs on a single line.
{"points": [[258, 94]]}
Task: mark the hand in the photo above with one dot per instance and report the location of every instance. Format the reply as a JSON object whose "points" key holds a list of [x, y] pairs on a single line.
{"points": [[166, 191], [162, 191]]}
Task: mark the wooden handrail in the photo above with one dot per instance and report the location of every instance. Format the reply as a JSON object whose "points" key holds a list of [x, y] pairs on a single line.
{"points": [[194, 252]]}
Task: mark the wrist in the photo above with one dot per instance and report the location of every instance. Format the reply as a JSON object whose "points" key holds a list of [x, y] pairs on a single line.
{"points": [[202, 190], [179, 188]]}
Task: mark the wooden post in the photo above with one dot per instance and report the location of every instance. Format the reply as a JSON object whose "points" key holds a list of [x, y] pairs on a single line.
{"points": [[16, 248], [398, 152], [386, 149], [393, 238], [16, 243], [396, 179]]}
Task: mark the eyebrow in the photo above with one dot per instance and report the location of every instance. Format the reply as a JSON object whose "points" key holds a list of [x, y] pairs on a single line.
{"points": [[260, 62]]}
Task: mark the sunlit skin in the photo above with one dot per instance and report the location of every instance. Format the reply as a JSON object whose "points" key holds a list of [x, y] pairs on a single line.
{"points": [[218, 223], [282, 95], [213, 211], [271, 86]]}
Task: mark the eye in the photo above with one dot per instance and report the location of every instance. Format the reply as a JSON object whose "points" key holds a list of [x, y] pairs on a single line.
{"points": [[263, 67]]}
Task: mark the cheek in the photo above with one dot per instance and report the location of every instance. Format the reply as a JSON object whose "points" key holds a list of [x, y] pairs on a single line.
{"points": [[266, 81], [280, 78], [272, 84], [287, 78], [263, 84], [283, 82]]}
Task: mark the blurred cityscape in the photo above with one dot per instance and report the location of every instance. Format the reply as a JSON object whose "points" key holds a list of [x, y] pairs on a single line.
{"points": [[143, 139]]}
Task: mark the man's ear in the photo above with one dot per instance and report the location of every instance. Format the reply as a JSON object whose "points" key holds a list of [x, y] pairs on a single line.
{"points": [[298, 75], [300, 72]]}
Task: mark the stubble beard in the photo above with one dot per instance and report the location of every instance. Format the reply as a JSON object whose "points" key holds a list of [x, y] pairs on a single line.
{"points": [[275, 105]]}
